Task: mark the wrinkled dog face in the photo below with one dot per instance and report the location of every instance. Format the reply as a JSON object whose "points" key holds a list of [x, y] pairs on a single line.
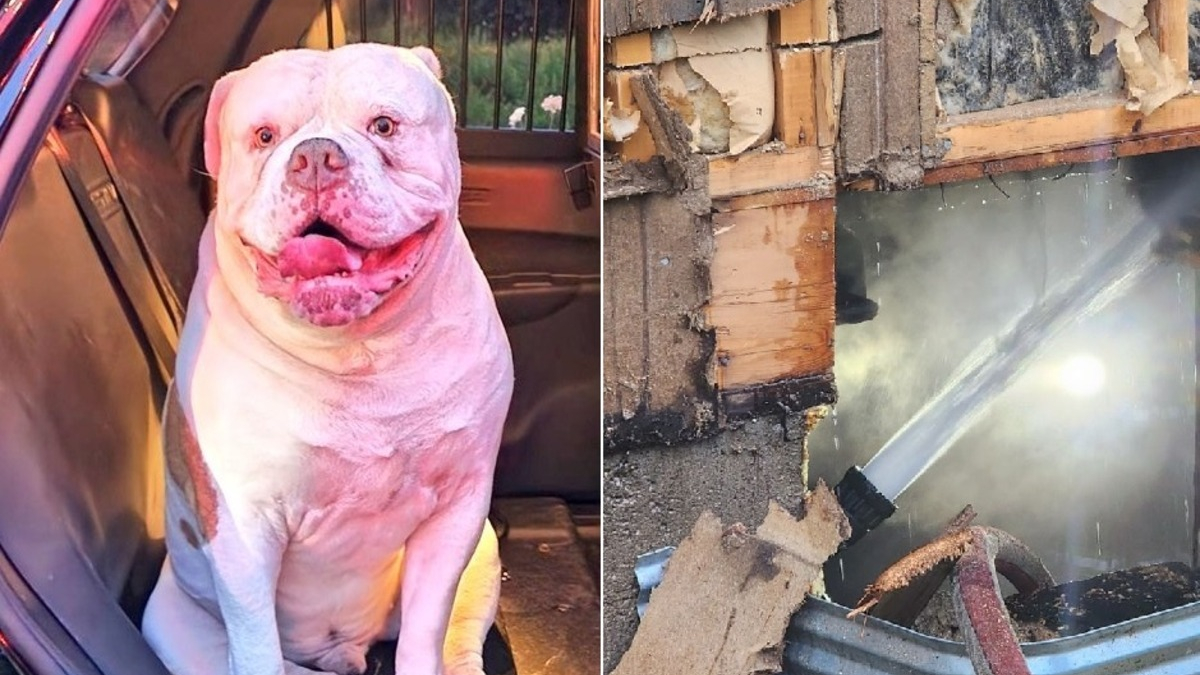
{"points": [[334, 169]]}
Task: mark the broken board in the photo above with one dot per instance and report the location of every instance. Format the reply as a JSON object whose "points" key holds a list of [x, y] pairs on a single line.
{"points": [[727, 595]]}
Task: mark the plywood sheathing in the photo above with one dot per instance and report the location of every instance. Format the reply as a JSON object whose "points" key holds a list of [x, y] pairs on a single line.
{"points": [[732, 592], [656, 353], [772, 306], [630, 16]]}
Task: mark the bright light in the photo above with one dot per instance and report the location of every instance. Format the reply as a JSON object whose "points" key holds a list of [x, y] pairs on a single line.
{"points": [[1082, 375]]}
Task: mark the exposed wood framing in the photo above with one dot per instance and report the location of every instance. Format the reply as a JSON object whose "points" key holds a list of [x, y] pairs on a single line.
{"points": [[772, 306], [770, 168], [1169, 21], [795, 93], [1164, 142], [804, 23], [629, 50], [1054, 125], [854, 104], [1057, 125]]}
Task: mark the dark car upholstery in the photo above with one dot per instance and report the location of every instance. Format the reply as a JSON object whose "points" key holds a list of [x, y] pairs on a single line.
{"points": [[81, 476]]}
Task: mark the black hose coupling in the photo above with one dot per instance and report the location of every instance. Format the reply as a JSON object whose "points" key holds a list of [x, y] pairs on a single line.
{"points": [[865, 506]]}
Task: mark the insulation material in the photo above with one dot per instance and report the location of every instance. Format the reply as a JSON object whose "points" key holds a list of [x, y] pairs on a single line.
{"points": [[997, 53], [726, 100], [1194, 39], [736, 35], [620, 123], [1151, 79], [623, 122]]}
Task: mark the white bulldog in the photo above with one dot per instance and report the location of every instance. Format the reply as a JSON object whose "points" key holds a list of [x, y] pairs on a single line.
{"points": [[342, 381]]}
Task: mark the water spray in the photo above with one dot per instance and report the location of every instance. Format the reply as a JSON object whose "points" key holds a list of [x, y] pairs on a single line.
{"points": [[868, 494]]}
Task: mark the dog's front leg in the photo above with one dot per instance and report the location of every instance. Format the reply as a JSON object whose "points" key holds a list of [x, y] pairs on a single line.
{"points": [[434, 559], [245, 556]]}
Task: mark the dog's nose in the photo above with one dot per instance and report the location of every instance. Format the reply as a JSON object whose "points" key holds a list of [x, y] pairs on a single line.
{"points": [[317, 164]]}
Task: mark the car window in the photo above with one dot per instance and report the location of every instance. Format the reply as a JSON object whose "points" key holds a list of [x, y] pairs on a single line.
{"points": [[133, 29], [518, 56]]}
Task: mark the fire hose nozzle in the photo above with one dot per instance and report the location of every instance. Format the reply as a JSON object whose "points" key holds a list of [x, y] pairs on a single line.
{"points": [[865, 506]]}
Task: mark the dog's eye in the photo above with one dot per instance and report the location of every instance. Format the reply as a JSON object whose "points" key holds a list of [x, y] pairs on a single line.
{"points": [[383, 126], [264, 136]]}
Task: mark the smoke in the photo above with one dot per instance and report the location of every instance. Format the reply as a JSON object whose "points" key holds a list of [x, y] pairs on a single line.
{"points": [[1091, 482]]}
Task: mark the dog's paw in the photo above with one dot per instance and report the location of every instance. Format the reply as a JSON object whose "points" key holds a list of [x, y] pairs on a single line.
{"points": [[467, 664]]}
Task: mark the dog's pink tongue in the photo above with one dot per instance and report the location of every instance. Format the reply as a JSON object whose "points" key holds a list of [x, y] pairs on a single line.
{"points": [[317, 256]]}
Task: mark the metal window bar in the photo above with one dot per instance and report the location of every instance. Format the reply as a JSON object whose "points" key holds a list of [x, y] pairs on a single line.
{"points": [[532, 67], [362, 20], [464, 48], [500, 69], [329, 23], [405, 26], [568, 61]]}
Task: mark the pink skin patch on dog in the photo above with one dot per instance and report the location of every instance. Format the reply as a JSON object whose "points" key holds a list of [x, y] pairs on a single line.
{"points": [[328, 280]]}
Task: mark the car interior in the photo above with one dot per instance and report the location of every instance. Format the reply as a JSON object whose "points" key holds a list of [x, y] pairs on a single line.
{"points": [[96, 265]]}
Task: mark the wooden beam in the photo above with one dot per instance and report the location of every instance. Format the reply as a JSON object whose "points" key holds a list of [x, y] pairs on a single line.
{"points": [[807, 22], [1169, 23], [795, 97], [760, 200], [772, 306], [768, 169], [629, 50], [828, 95], [1162, 142], [1047, 126]]}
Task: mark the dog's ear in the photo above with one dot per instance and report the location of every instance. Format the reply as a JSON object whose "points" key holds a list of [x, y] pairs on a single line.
{"points": [[212, 123], [429, 59]]}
